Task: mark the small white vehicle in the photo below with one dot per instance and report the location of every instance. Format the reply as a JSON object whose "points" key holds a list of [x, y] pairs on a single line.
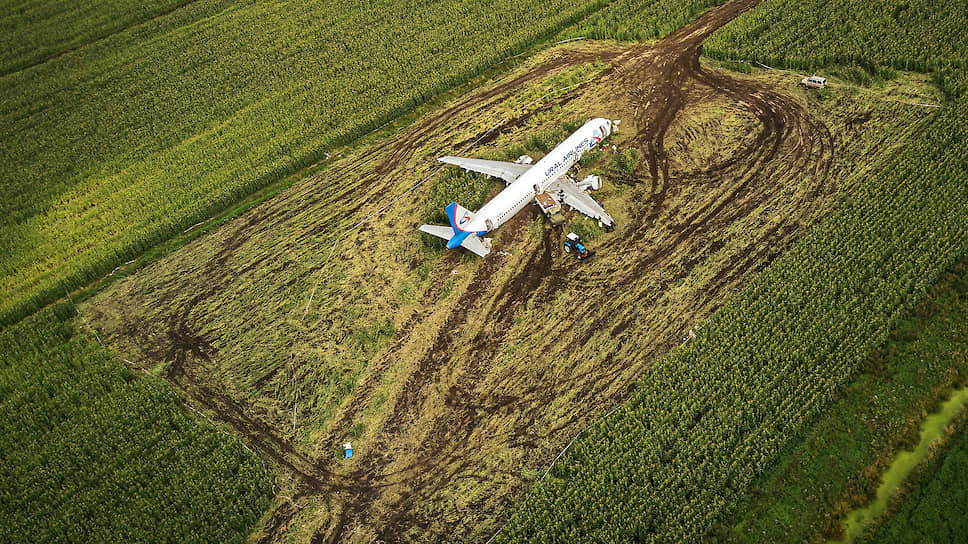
{"points": [[814, 82]]}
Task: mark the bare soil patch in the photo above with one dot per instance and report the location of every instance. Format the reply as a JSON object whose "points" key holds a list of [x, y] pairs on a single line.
{"points": [[494, 364]]}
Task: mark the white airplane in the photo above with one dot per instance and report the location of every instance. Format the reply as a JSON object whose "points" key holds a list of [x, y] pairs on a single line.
{"points": [[526, 182]]}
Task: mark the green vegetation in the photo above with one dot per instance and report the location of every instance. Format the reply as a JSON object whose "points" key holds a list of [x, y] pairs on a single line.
{"points": [[545, 141], [586, 228], [553, 86], [127, 124], [590, 157], [933, 432], [839, 37], [93, 452], [839, 462], [469, 189], [937, 511], [145, 129], [635, 20], [264, 352], [627, 160], [708, 420], [33, 32], [128, 140], [446, 377]]}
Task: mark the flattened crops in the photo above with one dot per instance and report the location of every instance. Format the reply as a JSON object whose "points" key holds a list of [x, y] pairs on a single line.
{"points": [[459, 379], [120, 133]]}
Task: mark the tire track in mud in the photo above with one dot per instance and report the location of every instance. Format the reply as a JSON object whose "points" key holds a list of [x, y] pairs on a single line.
{"points": [[357, 485], [660, 79], [404, 147], [186, 349], [183, 344]]}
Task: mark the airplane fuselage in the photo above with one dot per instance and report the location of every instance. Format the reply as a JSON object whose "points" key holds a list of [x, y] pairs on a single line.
{"points": [[536, 180]]}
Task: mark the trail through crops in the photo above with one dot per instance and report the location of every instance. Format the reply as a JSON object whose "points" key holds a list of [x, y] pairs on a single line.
{"points": [[933, 429], [656, 77], [447, 454]]}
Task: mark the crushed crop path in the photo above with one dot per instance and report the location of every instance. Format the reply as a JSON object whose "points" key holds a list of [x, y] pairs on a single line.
{"points": [[491, 365]]}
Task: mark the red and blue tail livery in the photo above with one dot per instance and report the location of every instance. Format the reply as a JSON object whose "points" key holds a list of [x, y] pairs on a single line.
{"points": [[460, 220], [548, 177], [458, 234]]}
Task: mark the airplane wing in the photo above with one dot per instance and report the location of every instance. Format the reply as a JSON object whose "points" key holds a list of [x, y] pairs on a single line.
{"points": [[508, 171], [567, 192]]}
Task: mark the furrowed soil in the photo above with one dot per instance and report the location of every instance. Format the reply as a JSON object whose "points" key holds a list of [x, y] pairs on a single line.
{"points": [[459, 379]]}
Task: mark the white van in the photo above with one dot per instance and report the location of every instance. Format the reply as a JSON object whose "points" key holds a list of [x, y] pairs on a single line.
{"points": [[814, 82]]}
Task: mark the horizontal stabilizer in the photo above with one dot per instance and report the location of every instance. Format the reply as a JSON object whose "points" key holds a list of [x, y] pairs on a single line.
{"points": [[440, 232], [475, 245], [471, 243]]}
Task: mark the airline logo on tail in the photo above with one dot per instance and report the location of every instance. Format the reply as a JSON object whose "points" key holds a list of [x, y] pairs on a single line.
{"points": [[458, 216], [455, 211], [456, 235]]}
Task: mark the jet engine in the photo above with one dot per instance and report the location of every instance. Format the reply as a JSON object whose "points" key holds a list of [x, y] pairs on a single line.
{"points": [[591, 182]]}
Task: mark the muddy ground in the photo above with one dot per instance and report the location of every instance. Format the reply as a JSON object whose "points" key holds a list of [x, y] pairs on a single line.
{"points": [[486, 368]]}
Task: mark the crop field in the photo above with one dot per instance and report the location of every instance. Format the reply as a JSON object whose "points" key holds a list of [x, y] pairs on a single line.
{"points": [[31, 34], [91, 452], [924, 35], [768, 240], [838, 464], [709, 420], [459, 379], [132, 129]]}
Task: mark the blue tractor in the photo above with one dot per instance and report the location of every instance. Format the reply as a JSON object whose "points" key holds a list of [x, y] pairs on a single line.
{"points": [[573, 243]]}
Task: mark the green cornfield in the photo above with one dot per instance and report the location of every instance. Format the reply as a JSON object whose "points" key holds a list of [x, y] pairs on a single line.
{"points": [[94, 452], [114, 144], [713, 416]]}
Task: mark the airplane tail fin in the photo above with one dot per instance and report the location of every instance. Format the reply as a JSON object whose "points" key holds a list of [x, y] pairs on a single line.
{"points": [[455, 235], [458, 216]]}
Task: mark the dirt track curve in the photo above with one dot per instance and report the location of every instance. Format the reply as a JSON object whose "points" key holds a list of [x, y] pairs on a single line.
{"points": [[659, 80], [656, 76]]}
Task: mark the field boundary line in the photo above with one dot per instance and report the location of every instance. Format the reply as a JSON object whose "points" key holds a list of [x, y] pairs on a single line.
{"points": [[591, 424], [83, 319]]}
